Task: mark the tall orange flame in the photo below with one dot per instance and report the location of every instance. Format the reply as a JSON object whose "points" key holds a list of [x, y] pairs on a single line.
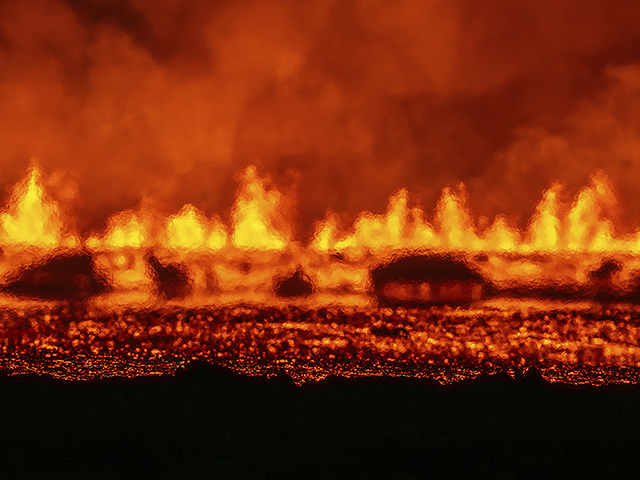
{"points": [[544, 228], [33, 220], [253, 216]]}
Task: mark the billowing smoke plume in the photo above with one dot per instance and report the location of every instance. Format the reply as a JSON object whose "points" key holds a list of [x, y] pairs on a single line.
{"points": [[347, 100]]}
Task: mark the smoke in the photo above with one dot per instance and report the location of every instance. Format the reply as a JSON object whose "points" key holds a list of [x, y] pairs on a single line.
{"points": [[603, 132], [350, 100]]}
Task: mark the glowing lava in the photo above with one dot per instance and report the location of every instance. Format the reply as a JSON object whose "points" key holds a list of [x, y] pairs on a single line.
{"points": [[397, 294]]}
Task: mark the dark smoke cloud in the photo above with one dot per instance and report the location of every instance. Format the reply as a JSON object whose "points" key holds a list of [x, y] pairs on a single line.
{"points": [[352, 100]]}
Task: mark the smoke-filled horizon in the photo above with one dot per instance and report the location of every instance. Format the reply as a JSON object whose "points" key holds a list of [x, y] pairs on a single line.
{"points": [[342, 103]]}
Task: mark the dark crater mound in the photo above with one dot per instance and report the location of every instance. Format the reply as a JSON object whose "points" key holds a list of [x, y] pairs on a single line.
{"points": [[66, 276], [428, 279], [297, 284], [171, 279], [425, 268]]}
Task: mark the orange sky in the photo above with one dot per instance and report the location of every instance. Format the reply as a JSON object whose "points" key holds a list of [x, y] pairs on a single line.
{"points": [[349, 101]]}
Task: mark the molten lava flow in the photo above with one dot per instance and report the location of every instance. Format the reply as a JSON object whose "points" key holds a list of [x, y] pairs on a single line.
{"points": [[398, 289]]}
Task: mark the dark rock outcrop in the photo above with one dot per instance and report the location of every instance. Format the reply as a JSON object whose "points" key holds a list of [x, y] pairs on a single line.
{"points": [[428, 279], [604, 271], [425, 268], [172, 279], [68, 276]]}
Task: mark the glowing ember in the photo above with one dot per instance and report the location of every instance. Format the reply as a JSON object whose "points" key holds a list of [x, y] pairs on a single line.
{"points": [[577, 344]]}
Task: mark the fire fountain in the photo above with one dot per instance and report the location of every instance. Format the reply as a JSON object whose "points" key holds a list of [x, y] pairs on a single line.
{"points": [[396, 294]]}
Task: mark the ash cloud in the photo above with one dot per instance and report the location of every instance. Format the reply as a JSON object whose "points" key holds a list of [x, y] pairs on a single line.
{"points": [[351, 100]]}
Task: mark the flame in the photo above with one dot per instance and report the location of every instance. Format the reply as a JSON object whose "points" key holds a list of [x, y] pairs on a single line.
{"points": [[544, 228], [401, 227], [501, 236], [324, 238], [456, 228], [253, 216], [189, 230], [587, 230], [259, 247], [379, 231], [126, 233], [32, 219]]}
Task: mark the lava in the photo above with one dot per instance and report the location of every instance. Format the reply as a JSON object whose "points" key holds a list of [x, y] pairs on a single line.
{"points": [[573, 344], [397, 295]]}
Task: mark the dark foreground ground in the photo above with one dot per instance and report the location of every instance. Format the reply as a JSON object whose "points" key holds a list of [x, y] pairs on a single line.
{"points": [[209, 423], [432, 393]]}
